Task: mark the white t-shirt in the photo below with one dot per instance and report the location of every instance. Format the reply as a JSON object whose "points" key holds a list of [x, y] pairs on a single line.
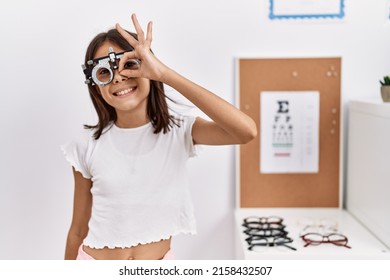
{"points": [[140, 187]]}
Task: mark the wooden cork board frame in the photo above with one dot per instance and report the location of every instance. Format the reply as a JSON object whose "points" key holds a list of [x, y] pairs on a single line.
{"points": [[320, 189]]}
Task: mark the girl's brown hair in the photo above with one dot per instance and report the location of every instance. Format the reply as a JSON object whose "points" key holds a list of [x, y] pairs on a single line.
{"points": [[157, 107]]}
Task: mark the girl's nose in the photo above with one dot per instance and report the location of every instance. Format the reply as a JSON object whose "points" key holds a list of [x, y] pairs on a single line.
{"points": [[118, 77]]}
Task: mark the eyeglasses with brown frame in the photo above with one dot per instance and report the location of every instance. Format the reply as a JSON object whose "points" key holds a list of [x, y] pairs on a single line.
{"points": [[333, 238]]}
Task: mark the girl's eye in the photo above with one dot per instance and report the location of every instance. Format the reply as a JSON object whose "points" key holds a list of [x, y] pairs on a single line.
{"points": [[103, 75], [132, 64], [103, 72]]}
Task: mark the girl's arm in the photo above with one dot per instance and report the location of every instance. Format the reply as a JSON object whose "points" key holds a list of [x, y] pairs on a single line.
{"points": [[229, 125], [81, 213]]}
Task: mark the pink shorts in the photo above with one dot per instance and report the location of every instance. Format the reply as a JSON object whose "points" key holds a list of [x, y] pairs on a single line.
{"points": [[82, 255]]}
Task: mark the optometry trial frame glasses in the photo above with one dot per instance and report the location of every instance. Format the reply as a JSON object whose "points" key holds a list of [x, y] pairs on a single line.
{"points": [[100, 71]]}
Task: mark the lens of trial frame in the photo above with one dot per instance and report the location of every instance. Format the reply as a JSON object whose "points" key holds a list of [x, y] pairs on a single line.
{"points": [[103, 74], [132, 64]]}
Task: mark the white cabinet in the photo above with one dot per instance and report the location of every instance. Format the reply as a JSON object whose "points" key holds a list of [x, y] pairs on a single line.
{"points": [[368, 180]]}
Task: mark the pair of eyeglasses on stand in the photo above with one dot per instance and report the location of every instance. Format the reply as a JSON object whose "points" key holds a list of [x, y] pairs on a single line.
{"points": [[263, 220], [258, 244], [255, 226], [266, 232]]}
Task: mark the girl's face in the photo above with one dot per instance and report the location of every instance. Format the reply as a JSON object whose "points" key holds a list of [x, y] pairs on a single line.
{"points": [[126, 95]]}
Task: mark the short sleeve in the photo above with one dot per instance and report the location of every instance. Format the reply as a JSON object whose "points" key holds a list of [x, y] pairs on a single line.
{"points": [[76, 154], [192, 149]]}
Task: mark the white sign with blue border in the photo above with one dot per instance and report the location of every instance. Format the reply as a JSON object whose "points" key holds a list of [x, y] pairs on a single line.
{"points": [[303, 9]]}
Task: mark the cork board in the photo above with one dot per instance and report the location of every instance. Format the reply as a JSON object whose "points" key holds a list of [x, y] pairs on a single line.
{"points": [[320, 189]]}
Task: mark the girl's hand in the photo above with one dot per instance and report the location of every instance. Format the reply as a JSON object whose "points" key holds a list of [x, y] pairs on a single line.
{"points": [[151, 68], [229, 125]]}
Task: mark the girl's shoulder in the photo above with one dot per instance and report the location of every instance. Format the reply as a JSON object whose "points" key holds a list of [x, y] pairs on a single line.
{"points": [[183, 130], [82, 139], [182, 122], [85, 136], [79, 150]]}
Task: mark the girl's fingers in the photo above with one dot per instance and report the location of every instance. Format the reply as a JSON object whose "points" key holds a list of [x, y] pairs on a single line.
{"points": [[132, 41], [149, 34], [125, 58], [141, 50], [140, 32], [130, 73]]}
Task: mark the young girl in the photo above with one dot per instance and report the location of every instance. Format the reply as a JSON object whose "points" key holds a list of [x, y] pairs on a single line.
{"points": [[131, 191]]}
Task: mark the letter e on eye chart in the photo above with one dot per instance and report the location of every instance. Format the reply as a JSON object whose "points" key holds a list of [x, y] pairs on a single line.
{"points": [[289, 134]]}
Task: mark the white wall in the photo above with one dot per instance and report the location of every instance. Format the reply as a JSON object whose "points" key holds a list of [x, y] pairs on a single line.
{"points": [[44, 100]]}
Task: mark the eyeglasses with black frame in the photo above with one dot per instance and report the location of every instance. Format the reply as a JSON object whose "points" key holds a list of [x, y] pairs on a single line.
{"points": [[263, 220], [266, 232], [263, 242], [257, 227]]}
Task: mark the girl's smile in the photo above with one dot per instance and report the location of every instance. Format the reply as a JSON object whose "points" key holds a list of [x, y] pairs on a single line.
{"points": [[125, 92]]}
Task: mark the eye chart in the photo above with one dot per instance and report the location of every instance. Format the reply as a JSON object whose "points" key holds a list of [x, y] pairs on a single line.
{"points": [[289, 132]]}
